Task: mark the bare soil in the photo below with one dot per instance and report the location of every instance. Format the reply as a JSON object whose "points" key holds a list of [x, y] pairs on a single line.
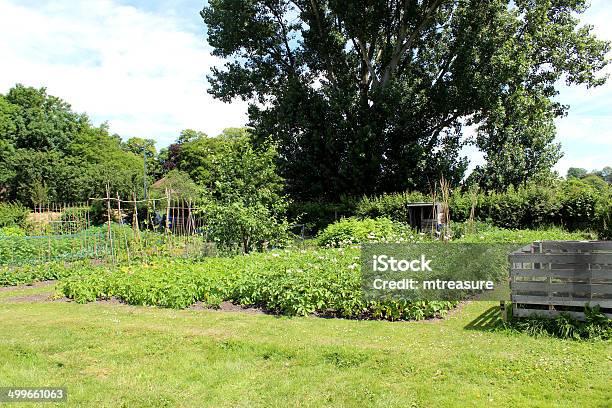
{"points": [[21, 287]]}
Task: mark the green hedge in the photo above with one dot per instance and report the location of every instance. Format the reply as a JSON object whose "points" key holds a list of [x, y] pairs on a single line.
{"points": [[572, 204], [393, 206]]}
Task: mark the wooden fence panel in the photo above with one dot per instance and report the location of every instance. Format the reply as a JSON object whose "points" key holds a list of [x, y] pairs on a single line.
{"points": [[552, 277]]}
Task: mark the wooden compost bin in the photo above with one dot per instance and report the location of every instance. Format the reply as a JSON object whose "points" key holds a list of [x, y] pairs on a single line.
{"points": [[552, 277]]}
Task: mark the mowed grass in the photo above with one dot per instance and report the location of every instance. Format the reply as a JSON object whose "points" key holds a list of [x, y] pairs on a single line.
{"points": [[111, 355]]}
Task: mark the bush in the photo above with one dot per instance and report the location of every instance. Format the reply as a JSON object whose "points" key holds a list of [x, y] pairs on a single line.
{"points": [[234, 225], [350, 231], [578, 203], [603, 212], [573, 204], [13, 231], [393, 206], [13, 214]]}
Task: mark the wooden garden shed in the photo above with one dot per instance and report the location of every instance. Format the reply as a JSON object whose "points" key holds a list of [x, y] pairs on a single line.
{"points": [[425, 216]]}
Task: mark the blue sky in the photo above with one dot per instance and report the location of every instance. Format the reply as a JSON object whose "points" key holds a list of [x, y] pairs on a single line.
{"points": [[141, 66]]}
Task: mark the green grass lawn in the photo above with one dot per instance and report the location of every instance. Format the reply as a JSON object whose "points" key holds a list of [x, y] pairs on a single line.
{"points": [[112, 355]]}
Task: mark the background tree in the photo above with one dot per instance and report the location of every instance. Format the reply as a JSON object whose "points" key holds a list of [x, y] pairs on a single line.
{"points": [[365, 97], [604, 174], [178, 184], [576, 172], [198, 155], [50, 153]]}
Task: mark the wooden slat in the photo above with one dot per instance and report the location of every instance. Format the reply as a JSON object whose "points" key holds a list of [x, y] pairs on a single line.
{"points": [[573, 246], [560, 301], [564, 273], [549, 313], [573, 258], [570, 288]]}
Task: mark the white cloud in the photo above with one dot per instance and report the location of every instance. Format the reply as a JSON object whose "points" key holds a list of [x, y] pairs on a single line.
{"points": [[140, 71]]}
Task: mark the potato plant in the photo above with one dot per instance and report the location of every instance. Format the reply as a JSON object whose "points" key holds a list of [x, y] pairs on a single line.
{"points": [[323, 282]]}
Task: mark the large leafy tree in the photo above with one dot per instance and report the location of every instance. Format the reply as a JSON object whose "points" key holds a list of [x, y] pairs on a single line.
{"points": [[198, 155], [48, 152], [370, 96]]}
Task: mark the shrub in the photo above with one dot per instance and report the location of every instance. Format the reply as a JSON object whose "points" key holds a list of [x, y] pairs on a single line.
{"points": [[350, 231], [13, 214], [578, 203], [573, 204], [234, 225], [13, 231], [603, 211], [392, 206]]}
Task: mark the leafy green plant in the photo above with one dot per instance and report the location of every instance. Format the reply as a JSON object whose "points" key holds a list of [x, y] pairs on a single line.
{"points": [[28, 274], [13, 214], [603, 212], [322, 282], [597, 326], [351, 231], [393, 206], [13, 231]]}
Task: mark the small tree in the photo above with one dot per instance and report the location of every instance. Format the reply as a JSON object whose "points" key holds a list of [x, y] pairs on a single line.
{"points": [[245, 204]]}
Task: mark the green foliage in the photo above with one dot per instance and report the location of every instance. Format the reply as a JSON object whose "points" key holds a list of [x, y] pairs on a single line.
{"points": [[594, 177], [393, 206], [245, 205], [72, 220], [198, 155], [486, 233], [178, 184], [596, 326], [352, 231], [578, 204], [13, 214], [574, 204], [576, 172], [603, 211], [13, 231], [326, 80], [235, 225], [325, 282], [23, 249], [316, 215], [28, 274], [50, 153]]}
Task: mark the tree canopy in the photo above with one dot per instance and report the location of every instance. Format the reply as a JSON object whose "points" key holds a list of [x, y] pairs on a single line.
{"points": [[371, 96], [48, 152]]}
